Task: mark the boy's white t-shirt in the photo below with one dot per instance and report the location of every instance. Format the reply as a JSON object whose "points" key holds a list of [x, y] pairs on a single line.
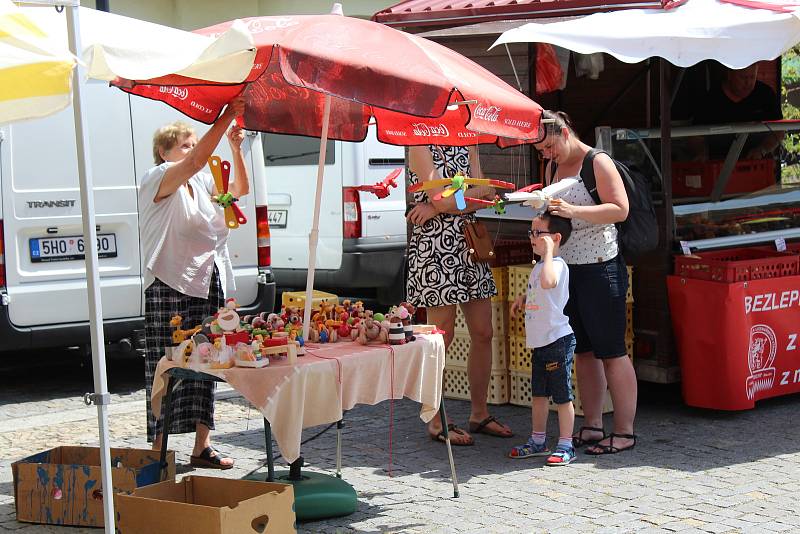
{"points": [[545, 321], [183, 236]]}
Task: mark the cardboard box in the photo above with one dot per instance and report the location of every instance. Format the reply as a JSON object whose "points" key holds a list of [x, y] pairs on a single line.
{"points": [[63, 486], [207, 505]]}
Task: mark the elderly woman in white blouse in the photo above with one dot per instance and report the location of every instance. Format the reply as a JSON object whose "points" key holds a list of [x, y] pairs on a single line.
{"points": [[598, 282], [187, 267]]}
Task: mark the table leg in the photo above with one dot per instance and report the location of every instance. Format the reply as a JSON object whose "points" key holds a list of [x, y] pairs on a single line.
{"points": [[339, 427], [443, 415], [165, 428], [270, 458]]}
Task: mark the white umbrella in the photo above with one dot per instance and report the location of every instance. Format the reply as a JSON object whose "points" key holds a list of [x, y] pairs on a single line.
{"points": [[112, 46], [735, 36], [35, 70]]}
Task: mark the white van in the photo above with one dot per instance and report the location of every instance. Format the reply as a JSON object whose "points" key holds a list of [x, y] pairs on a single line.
{"points": [[42, 272], [362, 239]]}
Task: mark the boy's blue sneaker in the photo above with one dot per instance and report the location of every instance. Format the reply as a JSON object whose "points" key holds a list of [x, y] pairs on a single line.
{"points": [[561, 456], [529, 449]]}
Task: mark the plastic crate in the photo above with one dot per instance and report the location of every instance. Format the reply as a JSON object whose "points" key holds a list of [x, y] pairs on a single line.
{"points": [[499, 319], [298, 298], [518, 276], [458, 352], [737, 265], [629, 322], [500, 275], [520, 392], [456, 385], [629, 294], [516, 326], [520, 356], [511, 252], [697, 178]]}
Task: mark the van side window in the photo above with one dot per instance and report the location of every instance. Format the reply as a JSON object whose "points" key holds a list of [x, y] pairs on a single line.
{"points": [[282, 150]]}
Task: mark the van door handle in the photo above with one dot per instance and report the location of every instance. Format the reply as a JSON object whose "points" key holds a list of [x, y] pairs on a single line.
{"points": [[279, 199]]}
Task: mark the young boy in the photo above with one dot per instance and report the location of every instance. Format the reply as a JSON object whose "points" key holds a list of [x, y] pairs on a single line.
{"points": [[547, 331]]}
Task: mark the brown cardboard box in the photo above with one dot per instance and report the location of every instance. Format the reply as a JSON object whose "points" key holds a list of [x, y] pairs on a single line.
{"points": [[63, 486], [207, 505]]}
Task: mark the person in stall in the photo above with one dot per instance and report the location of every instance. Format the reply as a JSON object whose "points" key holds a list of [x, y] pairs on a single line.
{"points": [[738, 97]]}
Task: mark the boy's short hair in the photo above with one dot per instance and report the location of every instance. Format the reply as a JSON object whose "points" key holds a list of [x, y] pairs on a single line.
{"points": [[558, 224]]}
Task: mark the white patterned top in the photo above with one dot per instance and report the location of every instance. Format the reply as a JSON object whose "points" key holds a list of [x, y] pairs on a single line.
{"points": [[589, 243]]}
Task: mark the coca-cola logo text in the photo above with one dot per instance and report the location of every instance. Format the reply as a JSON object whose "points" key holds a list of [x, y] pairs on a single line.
{"points": [[178, 92], [487, 113], [426, 130]]}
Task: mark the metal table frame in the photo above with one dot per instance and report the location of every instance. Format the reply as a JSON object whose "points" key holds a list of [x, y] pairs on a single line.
{"points": [[177, 373]]}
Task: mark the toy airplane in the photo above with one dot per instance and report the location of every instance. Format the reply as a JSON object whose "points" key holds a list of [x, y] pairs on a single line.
{"points": [[538, 198], [457, 185], [381, 189], [221, 171]]}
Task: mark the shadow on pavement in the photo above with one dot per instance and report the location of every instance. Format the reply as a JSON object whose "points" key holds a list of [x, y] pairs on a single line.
{"points": [[670, 436]]}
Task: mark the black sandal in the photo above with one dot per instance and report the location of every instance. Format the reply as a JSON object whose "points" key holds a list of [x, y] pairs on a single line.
{"points": [[483, 428], [210, 458], [578, 441], [453, 429], [598, 450]]}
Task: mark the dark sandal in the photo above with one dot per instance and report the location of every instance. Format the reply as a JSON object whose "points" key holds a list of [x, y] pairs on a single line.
{"points": [[455, 430], [577, 438], [483, 428], [598, 450], [210, 458]]}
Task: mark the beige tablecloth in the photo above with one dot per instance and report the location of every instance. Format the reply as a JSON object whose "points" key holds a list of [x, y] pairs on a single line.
{"points": [[329, 379]]}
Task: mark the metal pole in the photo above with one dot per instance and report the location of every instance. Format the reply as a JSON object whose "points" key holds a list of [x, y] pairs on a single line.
{"points": [[339, 426], [101, 395], [665, 97], [443, 416], [313, 237]]}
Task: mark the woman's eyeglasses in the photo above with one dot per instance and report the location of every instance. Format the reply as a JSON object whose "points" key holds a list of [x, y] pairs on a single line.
{"points": [[537, 233]]}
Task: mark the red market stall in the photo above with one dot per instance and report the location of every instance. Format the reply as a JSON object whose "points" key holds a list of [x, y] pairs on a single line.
{"points": [[736, 317]]}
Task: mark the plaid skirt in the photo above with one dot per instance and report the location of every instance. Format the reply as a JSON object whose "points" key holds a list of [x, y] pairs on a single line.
{"points": [[192, 400]]}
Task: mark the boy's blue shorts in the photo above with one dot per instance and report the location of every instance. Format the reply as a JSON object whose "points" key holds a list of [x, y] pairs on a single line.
{"points": [[551, 372]]}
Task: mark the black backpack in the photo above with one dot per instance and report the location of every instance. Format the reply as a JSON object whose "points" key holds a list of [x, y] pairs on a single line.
{"points": [[638, 233]]}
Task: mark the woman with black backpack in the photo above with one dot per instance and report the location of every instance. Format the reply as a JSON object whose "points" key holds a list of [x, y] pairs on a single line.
{"points": [[598, 284]]}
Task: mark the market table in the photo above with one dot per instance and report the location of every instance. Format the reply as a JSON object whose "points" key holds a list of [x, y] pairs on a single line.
{"points": [[328, 380]]}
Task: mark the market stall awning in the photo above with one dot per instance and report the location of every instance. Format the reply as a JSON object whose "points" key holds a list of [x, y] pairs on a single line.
{"points": [[116, 46], [730, 33], [450, 13]]}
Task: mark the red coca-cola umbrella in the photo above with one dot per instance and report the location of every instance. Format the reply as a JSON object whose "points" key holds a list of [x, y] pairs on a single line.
{"points": [[331, 76]]}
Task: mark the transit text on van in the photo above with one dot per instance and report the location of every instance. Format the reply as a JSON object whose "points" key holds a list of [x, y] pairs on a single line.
{"points": [[51, 203]]}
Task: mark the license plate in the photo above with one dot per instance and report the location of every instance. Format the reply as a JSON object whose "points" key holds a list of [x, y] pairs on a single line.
{"points": [[277, 218], [45, 249]]}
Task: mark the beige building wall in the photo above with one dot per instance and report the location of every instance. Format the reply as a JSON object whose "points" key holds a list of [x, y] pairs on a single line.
{"points": [[193, 14]]}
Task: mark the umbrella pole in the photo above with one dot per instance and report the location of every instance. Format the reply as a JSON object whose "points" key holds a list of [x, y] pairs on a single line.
{"points": [[313, 237], [100, 398]]}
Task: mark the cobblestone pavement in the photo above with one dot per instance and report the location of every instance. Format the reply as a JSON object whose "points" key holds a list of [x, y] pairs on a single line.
{"points": [[692, 471]]}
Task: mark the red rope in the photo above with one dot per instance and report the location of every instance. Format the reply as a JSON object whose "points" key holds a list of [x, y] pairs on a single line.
{"points": [[334, 358]]}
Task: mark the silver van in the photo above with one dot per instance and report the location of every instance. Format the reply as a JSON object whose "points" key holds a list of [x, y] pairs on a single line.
{"points": [[362, 239]]}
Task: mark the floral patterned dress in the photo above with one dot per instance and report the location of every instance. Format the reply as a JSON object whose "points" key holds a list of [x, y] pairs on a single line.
{"points": [[440, 270]]}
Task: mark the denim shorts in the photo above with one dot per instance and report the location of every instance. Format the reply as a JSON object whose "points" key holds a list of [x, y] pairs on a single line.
{"points": [[597, 309], [551, 372]]}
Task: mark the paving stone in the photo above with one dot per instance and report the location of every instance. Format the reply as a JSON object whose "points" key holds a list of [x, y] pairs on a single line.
{"points": [[724, 484]]}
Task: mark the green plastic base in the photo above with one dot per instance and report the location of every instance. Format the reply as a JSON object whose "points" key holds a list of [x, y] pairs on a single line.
{"points": [[317, 496]]}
